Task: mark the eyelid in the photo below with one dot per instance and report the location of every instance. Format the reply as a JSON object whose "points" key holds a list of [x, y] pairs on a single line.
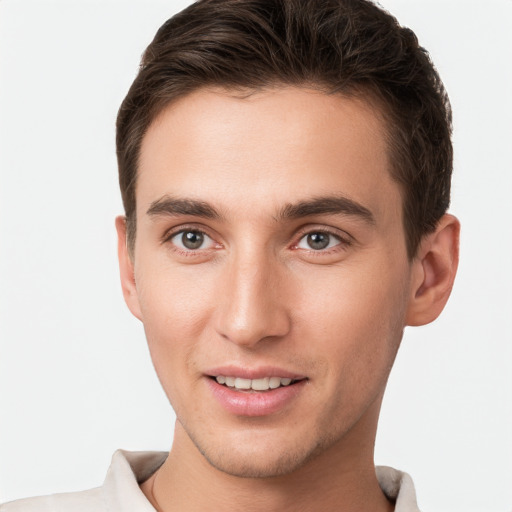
{"points": [[176, 230], [344, 237], [171, 232], [207, 240]]}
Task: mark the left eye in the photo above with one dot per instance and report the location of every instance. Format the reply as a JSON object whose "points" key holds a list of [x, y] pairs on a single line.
{"points": [[192, 240], [318, 241]]}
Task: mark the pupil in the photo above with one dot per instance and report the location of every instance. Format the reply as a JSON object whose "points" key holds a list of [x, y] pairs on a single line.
{"points": [[192, 239], [318, 240]]}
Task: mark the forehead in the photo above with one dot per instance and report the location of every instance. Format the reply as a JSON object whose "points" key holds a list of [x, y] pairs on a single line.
{"points": [[266, 147]]}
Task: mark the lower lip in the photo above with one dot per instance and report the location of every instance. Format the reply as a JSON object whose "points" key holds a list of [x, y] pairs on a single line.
{"points": [[256, 403]]}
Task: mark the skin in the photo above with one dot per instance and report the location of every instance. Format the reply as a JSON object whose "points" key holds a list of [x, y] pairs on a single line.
{"points": [[256, 293]]}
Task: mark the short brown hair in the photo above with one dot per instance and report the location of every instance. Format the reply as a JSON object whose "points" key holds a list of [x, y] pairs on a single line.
{"points": [[338, 46]]}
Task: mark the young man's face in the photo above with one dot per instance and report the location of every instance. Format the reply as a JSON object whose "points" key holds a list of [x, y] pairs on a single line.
{"points": [[270, 245]]}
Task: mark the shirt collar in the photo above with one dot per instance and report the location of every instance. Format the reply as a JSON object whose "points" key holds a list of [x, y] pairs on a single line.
{"points": [[398, 487]]}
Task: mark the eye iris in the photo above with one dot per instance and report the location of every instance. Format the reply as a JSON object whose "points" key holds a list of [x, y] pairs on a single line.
{"points": [[318, 240], [192, 239]]}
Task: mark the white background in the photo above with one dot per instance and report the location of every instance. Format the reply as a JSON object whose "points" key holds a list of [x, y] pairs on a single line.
{"points": [[76, 381]]}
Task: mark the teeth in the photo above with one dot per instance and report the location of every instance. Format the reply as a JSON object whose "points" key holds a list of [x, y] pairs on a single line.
{"points": [[274, 382], [242, 383], [260, 384], [263, 384]]}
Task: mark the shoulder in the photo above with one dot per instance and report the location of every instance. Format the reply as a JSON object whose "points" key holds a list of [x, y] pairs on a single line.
{"points": [[120, 491], [83, 501]]}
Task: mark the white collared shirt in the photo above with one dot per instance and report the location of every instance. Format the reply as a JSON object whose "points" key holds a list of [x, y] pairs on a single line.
{"points": [[120, 491]]}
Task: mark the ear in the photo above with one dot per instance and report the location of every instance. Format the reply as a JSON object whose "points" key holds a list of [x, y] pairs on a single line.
{"points": [[126, 269], [433, 274]]}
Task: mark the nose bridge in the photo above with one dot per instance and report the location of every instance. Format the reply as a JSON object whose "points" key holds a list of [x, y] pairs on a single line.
{"points": [[252, 307]]}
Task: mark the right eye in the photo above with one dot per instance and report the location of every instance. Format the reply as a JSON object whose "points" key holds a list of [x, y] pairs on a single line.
{"points": [[191, 240]]}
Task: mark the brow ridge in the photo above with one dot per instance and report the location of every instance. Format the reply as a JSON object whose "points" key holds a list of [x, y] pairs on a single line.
{"points": [[172, 206], [326, 205]]}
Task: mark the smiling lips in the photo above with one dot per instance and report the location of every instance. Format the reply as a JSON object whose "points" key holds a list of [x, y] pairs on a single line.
{"points": [[252, 394], [263, 384]]}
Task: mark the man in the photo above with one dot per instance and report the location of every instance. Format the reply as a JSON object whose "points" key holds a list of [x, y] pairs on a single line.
{"points": [[285, 171]]}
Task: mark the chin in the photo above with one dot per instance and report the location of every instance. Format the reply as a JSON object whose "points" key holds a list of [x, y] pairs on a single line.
{"points": [[262, 459], [260, 466]]}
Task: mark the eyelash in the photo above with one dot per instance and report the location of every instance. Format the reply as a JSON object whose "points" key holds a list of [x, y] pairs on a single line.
{"points": [[169, 235], [345, 240]]}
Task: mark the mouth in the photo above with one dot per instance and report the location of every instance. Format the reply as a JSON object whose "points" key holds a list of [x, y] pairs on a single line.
{"points": [[255, 392], [251, 385]]}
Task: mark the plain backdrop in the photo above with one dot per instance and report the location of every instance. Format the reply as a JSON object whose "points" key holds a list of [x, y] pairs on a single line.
{"points": [[76, 381]]}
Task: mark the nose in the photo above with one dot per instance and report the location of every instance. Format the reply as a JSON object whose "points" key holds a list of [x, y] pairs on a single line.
{"points": [[252, 301]]}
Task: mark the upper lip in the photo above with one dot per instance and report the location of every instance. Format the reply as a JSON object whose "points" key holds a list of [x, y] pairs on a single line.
{"points": [[253, 373]]}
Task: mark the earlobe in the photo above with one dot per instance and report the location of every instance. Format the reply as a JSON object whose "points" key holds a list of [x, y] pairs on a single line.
{"points": [[126, 269], [434, 270]]}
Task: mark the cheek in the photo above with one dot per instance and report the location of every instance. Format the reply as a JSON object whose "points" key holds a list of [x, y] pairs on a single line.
{"points": [[175, 307], [174, 301], [357, 321]]}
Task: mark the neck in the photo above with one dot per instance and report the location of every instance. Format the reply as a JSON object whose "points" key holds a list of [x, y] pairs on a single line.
{"points": [[340, 478]]}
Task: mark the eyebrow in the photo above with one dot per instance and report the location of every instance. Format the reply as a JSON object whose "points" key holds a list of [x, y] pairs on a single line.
{"points": [[170, 206], [338, 205]]}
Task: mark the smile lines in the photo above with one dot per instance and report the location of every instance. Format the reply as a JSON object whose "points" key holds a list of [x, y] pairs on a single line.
{"points": [[263, 384]]}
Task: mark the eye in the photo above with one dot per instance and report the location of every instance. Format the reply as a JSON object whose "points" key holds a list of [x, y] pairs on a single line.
{"points": [[318, 241], [191, 240]]}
